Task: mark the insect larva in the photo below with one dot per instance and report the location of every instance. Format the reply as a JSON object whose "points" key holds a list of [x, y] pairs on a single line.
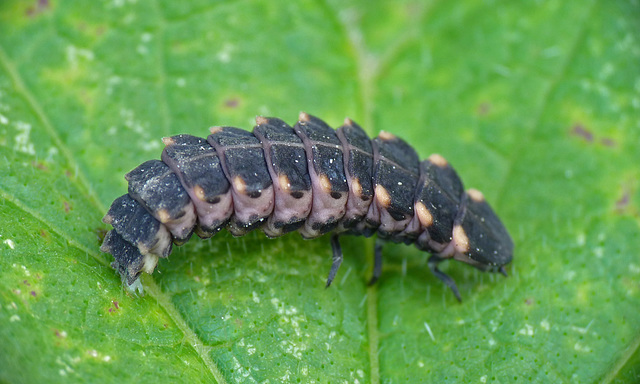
{"points": [[308, 178]]}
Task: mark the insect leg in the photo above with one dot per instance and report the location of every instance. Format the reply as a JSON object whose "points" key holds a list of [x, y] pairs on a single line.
{"points": [[336, 259], [377, 261], [433, 266]]}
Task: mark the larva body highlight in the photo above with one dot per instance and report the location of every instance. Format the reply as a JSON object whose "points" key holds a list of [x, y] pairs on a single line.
{"points": [[307, 178]]}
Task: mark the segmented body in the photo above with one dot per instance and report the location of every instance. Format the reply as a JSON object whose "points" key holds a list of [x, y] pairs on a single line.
{"points": [[308, 178]]}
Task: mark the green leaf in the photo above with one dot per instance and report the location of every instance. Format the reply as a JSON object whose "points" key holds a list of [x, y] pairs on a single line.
{"points": [[535, 103]]}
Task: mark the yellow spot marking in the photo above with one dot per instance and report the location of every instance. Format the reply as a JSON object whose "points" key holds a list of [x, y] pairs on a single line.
{"points": [[356, 187], [150, 262], [460, 239], [261, 120], [164, 216], [284, 183], [107, 219], [239, 185], [168, 141], [438, 160], [303, 116], [383, 197], [325, 184], [199, 191], [386, 136], [475, 195], [215, 130], [425, 217]]}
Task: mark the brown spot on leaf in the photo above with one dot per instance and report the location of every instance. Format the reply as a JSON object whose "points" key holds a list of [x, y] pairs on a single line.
{"points": [[623, 202], [484, 109], [41, 6], [40, 165], [34, 294], [232, 103], [67, 173], [529, 301], [67, 207], [60, 334], [25, 282], [580, 131], [608, 142]]}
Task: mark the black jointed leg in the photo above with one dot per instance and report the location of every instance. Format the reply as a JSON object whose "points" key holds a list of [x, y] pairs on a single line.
{"points": [[310, 178], [377, 261], [336, 259], [446, 279]]}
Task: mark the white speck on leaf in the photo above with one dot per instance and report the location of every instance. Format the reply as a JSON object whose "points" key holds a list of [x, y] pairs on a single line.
{"points": [[3, 119], [527, 330], [10, 243], [581, 348], [224, 55], [14, 318], [429, 331], [545, 325], [22, 138]]}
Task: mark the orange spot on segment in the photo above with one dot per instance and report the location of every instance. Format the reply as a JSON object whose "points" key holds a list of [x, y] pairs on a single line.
{"points": [[438, 160], [168, 141], [215, 130], [283, 182], [199, 191], [460, 239], [382, 196], [386, 136], [261, 120], [164, 216], [239, 185], [325, 184], [303, 117], [425, 217], [356, 187], [475, 195]]}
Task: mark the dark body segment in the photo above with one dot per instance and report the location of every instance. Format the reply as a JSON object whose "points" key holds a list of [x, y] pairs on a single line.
{"points": [[479, 237], [395, 176], [138, 227], [287, 164], [154, 185], [198, 168], [358, 166], [245, 167], [326, 170], [437, 203]]}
